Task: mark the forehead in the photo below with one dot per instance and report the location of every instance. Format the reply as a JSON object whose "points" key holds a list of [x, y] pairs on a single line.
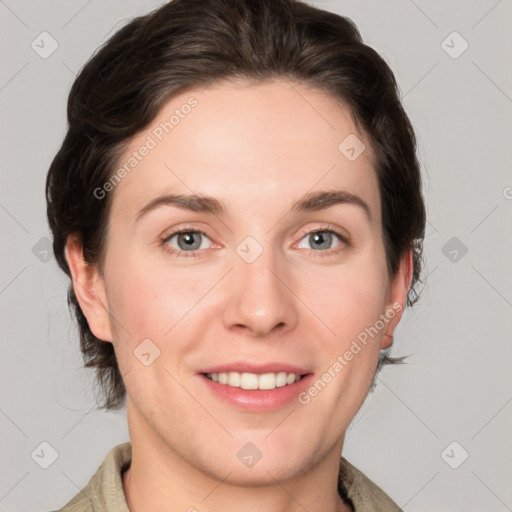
{"points": [[247, 143]]}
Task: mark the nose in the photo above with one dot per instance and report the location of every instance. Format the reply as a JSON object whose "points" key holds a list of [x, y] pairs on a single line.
{"points": [[261, 301]]}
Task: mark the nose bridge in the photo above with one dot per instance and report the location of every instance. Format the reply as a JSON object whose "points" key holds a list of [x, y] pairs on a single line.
{"points": [[260, 301]]}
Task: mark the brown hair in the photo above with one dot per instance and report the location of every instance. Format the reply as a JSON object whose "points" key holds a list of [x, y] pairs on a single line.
{"points": [[189, 43]]}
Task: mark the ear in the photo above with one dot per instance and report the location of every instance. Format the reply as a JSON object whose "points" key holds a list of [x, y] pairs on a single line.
{"points": [[89, 289], [397, 298]]}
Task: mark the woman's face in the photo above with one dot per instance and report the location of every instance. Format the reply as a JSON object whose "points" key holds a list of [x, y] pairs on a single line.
{"points": [[259, 287]]}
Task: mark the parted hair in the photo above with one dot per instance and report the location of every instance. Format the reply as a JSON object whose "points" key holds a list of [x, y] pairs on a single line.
{"points": [[186, 44]]}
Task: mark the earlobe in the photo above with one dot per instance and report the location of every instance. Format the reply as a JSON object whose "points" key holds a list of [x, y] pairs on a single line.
{"points": [[89, 289], [397, 298], [386, 341]]}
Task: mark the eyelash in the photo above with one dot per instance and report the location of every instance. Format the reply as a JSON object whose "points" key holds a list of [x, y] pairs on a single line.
{"points": [[195, 254]]}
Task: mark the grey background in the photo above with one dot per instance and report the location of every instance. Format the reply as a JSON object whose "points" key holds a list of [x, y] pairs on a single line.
{"points": [[457, 383]]}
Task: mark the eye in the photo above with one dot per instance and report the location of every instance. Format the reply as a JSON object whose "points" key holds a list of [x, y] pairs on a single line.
{"points": [[322, 239], [188, 242], [185, 241]]}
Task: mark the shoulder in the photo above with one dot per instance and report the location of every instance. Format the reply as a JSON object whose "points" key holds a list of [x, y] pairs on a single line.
{"points": [[365, 495], [80, 503], [105, 489]]}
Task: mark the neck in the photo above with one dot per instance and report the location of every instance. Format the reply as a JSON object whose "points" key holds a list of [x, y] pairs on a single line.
{"points": [[290, 496]]}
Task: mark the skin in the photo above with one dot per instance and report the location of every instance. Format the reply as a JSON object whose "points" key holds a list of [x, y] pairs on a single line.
{"points": [[257, 148]]}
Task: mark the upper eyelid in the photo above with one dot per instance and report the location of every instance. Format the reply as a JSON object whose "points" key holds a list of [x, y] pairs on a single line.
{"points": [[329, 227], [179, 231]]}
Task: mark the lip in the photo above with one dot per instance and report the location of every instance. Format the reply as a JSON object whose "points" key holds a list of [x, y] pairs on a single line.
{"points": [[259, 369], [257, 400]]}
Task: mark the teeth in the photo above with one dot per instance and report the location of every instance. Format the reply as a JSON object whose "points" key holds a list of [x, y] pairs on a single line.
{"points": [[253, 380], [234, 379], [249, 381], [281, 379]]}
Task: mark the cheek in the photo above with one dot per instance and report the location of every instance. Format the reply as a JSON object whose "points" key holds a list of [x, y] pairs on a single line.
{"points": [[147, 303], [148, 297], [349, 298]]}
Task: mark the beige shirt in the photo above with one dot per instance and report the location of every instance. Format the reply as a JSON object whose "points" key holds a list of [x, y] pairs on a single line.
{"points": [[104, 492]]}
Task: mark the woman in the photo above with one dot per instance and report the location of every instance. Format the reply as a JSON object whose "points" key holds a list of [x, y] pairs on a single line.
{"points": [[238, 205]]}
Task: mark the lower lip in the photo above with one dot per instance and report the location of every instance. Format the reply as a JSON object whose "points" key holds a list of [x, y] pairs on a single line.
{"points": [[258, 400]]}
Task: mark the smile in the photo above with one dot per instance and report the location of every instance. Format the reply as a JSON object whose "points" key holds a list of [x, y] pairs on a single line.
{"points": [[253, 381]]}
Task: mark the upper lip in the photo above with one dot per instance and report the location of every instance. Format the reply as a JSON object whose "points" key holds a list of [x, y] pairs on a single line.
{"points": [[246, 367]]}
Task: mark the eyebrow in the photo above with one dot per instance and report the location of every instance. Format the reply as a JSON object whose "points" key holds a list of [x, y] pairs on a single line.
{"points": [[312, 201]]}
